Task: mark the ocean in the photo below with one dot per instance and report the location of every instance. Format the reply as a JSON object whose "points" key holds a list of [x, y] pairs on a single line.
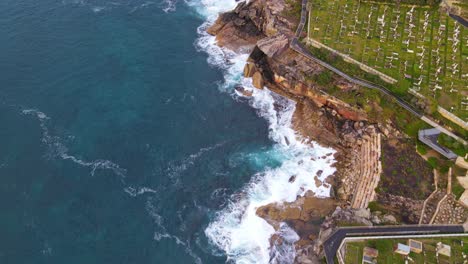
{"points": [[124, 141]]}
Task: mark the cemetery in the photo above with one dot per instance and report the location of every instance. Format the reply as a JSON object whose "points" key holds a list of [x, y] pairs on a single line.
{"points": [[418, 51], [420, 250]]}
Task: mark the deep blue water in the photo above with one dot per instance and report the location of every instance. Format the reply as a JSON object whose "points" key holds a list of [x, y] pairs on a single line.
{"points": [[116, 145]]}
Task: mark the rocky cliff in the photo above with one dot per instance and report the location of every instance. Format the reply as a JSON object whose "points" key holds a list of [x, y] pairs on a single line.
{"points": [[265, 29]]}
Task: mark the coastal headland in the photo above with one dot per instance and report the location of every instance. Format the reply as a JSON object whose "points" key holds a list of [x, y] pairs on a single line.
{"points": [[384, 175]]}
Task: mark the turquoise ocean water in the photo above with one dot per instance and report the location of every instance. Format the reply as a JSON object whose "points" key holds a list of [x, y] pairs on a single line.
{"points": [[122, 140]]}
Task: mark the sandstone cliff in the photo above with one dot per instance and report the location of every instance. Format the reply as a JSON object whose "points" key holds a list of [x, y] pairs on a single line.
{"points": [[264, 29]]}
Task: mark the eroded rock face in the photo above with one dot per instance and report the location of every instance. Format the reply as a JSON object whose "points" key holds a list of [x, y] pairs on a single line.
{"points": [[239, 29], [260, 27], [274, 45]]}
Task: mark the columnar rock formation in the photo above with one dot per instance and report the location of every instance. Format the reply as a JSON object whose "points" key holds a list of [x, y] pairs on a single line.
{"points": [[370, 169]]}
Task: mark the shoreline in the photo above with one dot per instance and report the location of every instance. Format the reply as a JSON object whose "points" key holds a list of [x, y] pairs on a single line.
{"points": [[305, 107], [360, 133], [260, 27]]}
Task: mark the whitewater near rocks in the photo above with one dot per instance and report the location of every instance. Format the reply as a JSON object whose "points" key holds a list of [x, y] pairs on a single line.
{"points": [[237, 230]]}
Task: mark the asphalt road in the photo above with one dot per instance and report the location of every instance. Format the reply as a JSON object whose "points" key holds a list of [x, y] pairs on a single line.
{"points": [[332, 244]]}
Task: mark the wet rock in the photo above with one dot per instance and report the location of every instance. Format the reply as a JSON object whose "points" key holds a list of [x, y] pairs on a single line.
{"points": [[292, 179], [318, 182], [243, 91]]}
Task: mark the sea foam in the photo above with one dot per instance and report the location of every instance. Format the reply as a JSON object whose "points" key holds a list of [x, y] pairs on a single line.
{"points": [[237, 230]]}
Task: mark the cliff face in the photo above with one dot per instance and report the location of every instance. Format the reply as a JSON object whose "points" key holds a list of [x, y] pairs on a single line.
{"points": [[262, 28]]}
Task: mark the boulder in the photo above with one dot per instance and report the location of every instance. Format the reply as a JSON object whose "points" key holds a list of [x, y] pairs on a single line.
{"points": [[376, 220], [257, 80], [249, 70], [243, 91], [389, 219], [362, 213]]}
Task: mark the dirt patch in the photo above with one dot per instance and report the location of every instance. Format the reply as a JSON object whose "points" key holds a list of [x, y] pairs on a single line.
{"points": [[405, 173]]}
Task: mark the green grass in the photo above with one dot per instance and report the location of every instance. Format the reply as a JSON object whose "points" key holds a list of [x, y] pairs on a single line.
{"points": [[294, 9], [386, 254], [434, 162], [374, 44], [375, 206], [457, 189], [453, 145], [421, 148]]}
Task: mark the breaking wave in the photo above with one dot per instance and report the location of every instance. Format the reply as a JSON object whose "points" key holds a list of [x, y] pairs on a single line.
{"points": [[237, 230]]}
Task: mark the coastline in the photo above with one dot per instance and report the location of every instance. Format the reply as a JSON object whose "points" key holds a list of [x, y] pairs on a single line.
{"points": [[264, 29], [243, 34]]}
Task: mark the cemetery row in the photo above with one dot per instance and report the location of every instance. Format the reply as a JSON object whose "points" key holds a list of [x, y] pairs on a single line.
{"points": [[424, 49]]}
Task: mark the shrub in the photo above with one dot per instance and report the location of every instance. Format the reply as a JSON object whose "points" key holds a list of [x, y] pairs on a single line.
{"points": [[323, 78], [457, 189], [452, 144], [375, 206], [433, 162], [422, 149]]}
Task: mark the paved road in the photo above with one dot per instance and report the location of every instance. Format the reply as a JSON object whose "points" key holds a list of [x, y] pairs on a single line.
{"points": [[296, 45], [332, 244]]}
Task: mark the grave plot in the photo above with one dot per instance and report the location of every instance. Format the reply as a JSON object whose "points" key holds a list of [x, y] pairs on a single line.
{"points": [[422, 48]]}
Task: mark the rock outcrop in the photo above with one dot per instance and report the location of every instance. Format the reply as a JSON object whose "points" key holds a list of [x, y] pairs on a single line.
{"points": [[260, 27]]}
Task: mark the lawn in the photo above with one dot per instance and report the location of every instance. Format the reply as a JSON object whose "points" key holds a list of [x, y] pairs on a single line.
{"points": [[421, 47], [386, 254]]}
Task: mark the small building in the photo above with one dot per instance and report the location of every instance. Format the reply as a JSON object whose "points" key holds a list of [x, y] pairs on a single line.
{"points": [[443, 249], [402, 249], [415, 246], [369, 255]]}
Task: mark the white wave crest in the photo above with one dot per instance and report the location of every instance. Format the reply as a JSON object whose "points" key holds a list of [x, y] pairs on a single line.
{"points": [[283, 251], [169, 5], [237, 230], [60, 150], [135, 191]]}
